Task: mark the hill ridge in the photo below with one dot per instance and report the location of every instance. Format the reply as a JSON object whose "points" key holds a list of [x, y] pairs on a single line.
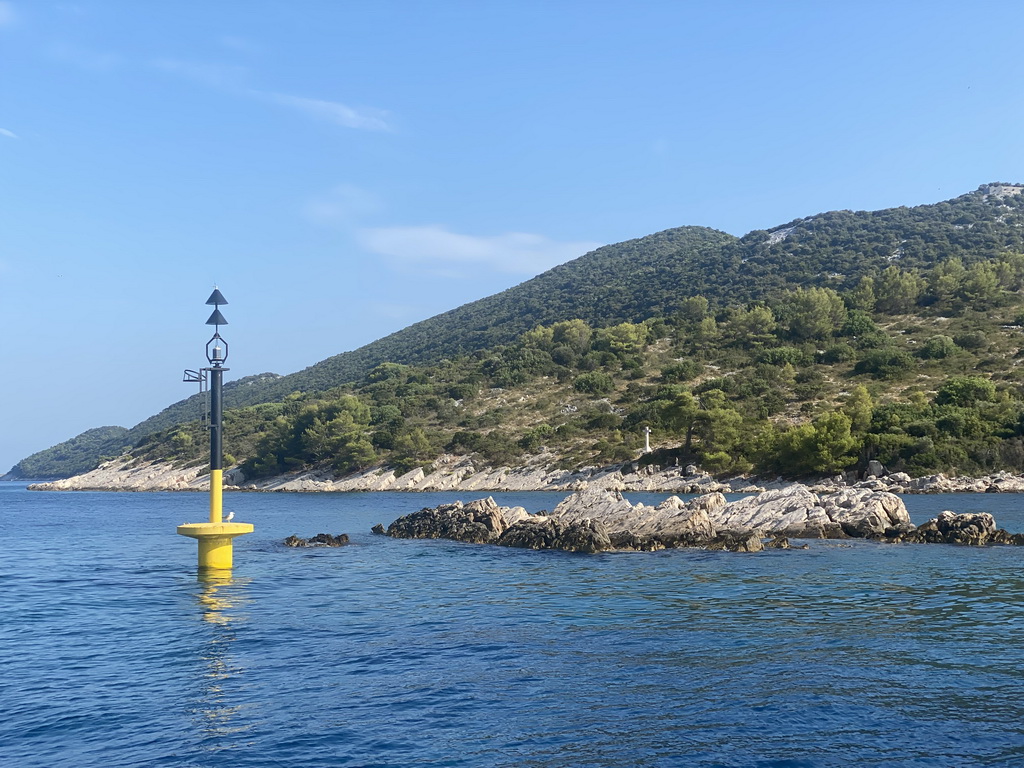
{"points": [[652, 276]]}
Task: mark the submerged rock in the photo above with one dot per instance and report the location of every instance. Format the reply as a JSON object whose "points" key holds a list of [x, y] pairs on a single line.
{"points": [[736, 541], [320, 540]]}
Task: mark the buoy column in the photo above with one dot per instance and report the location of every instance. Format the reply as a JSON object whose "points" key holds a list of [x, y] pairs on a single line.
{"points": [[215, 537]]}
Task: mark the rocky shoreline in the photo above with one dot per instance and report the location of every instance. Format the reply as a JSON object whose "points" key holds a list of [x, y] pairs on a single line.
{"points": [[461, 474], [598, 520]]}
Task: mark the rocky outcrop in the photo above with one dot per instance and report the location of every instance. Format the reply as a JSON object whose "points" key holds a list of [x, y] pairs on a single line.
{"points": [[542, 532], [595, 520], [862, 513], [971, 529], [478, 522], [795, 512], [669, 523], [320, 540]]}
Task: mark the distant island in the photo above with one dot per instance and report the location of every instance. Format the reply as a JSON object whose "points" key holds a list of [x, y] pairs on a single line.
{"points": [[819, 348]]}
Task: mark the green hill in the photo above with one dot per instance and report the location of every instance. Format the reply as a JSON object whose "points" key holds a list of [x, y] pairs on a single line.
{"points": [[874, 259], [72, 457]]}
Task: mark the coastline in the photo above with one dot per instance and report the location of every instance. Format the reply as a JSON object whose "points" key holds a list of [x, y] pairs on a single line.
{"points": [[460, 474]]}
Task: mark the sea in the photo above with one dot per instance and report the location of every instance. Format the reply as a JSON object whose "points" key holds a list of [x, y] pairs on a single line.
{"points": [[115, 650]]}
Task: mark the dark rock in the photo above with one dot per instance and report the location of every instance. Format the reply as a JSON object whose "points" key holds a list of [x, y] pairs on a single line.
{"points": [[1001, 536], [778, 542], [320, 540], [551, 533], [737, 541], [378, 529], [971, 528], [627, 540], [478, 522]]}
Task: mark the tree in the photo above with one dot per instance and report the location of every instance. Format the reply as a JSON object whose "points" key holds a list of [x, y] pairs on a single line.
{"points": [[965, 391], [897, 291], [751, 326], [834, 447], [858, 408], [574, 334], [693, 309], [623, 339], [813, 313], [679, 416], [824, 446], [412, 448], [863, 296]]}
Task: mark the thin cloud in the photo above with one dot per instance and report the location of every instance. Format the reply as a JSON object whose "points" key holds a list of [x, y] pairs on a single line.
{"points": [[363, 118], [7, 13], [232, 78], [240, 44], [342, 206], [83, 58], [221, 76], [441, 251], [8, 134]]}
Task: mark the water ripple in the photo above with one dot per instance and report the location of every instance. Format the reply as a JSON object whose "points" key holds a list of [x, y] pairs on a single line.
{"points": [[402, 653]]}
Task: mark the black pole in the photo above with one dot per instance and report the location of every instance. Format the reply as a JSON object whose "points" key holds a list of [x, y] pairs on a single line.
{"points": [[216, 415]]}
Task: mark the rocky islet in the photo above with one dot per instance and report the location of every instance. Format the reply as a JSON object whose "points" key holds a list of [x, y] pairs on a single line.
{"points": [[597, 520]]}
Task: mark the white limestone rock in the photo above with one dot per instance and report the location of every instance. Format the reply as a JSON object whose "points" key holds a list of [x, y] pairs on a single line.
{"points": [[864, 513]]}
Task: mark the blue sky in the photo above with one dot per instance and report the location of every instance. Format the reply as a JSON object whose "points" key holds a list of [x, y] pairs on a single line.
{"points": [[344, 169]]}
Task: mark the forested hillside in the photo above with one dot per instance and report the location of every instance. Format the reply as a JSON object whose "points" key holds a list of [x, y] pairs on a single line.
{"points": [[773, 331], [79, 454]]}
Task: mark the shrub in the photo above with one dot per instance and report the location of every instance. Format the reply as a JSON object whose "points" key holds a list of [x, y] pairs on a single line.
{"points": [[938, 347], [684, 370], [885, 363], [782, 355], [838, 353], [594, 383]]}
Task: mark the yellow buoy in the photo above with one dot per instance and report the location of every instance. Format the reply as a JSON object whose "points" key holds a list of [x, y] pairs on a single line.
{"points": [[215, 537], [215, 548]]}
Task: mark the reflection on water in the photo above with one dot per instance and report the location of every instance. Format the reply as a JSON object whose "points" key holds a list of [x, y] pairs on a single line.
{"points": [[222, 599]]}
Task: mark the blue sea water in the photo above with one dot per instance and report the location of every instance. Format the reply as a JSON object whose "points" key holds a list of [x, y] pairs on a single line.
{"points": [[115, 652]]}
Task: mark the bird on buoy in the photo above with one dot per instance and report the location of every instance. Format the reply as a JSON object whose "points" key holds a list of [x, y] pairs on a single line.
{"points": [[230, 517]]}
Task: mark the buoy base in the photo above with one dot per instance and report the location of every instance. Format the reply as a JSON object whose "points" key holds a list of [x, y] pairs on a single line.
{"points": [[215, 547]]}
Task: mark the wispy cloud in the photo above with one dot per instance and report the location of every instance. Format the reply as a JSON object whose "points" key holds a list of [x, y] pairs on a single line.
{"points": [[364, 118], [223, 76], [233, 78], [83, 58], [439, 250], [7, 13], [240, 44], [8, 134], [342, 206]]}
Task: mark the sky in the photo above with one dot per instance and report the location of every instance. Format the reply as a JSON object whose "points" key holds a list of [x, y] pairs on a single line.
{"points": [[341, 170]]}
